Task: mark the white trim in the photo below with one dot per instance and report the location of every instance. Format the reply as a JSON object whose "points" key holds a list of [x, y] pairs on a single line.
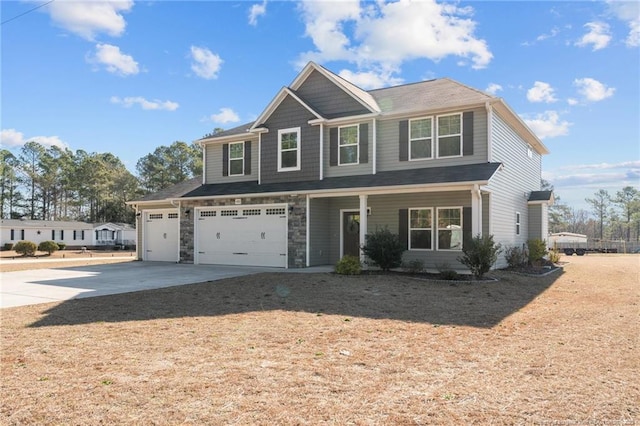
{"points": [[374, 142], [321, 151], [357, 145], [431, 137], [518, 224], [489, 132], [420, 229], [204, 164], [259, 158], [476, 211], [277, 100], [436, 219], [235, 159], [437, 135], [298, 148], [308, 230], [343, 120], [364, 219]]}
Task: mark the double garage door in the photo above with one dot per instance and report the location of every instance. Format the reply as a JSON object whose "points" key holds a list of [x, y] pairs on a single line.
{"points": [[242, 235]]}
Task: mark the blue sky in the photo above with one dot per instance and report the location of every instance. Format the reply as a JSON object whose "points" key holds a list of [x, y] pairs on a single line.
{"points": [[126, 77]]}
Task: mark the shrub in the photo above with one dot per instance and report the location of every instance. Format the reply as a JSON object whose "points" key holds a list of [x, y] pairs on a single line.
{"points": [[414, 266], [446, 273], [349, 265], [384, 249], [62, 246], [480, 254], [48, 246], [25, 248], [537, 250], [8, 246], [516, 256], [554, 256]]}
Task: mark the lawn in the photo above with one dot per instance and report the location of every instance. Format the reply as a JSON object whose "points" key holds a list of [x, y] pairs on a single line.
{"points": [[325, 349]]}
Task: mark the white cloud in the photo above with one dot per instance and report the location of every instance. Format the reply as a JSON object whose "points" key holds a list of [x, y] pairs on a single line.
{"points": [[11, 138], [256, 11], [572, 101], [383, 35], [592, 90], [629, 12], [548, 125], [226, 115], [370, 79], [541, 92], [493, 88], [598, 36], [155, 104], [114, 60], [206, 64], [90, 18]]}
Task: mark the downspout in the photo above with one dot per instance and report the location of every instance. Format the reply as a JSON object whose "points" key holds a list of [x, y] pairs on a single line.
{"points": [[375, 144], [204, 162], [179, 206], [489, 131], [308, 242], [259, 157], [321, 154]]}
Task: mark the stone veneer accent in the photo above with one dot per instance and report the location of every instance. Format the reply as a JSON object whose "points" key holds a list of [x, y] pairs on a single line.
{"points": [[297, 224]]}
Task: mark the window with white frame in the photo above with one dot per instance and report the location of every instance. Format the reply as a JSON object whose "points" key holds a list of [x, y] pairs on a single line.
{"points": [[450, 135], [421, 229], [449, 228], [517, 223], [289, 149], [348, 145], [421, 138], [236, 158]]}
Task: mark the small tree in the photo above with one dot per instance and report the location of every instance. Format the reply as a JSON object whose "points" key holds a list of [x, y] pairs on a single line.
{"points": [[480, 254], [48, 246], [537, 250], [25, 248], [384, 249]]}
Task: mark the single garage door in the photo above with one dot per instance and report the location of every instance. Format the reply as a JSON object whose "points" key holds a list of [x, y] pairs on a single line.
{"points": [[161, 235], [250, 236]]}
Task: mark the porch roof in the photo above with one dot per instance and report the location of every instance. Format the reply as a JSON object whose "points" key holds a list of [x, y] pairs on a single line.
{"points": [[477, 173]]}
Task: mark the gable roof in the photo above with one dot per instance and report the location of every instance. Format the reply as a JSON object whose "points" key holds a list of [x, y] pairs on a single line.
{"points": [[537, 197], [281, 96], [173, 191], [57, 224]]}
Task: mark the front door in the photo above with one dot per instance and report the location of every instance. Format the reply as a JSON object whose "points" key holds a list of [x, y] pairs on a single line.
{"points": [[351, 234]]}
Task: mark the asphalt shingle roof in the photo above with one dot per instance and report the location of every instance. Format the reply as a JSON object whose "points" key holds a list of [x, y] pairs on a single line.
{"points": [[433, 175]]}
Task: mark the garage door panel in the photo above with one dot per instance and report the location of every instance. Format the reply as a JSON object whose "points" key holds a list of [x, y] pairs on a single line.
{"points": [[161, 233], [252, 237]]}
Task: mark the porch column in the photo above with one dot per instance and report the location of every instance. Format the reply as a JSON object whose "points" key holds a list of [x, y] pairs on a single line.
{"points": [[363, 224], [476, 211]]}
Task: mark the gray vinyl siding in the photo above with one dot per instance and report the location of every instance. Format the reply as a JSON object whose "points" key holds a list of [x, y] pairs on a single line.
{"points": [[385, 213], [319, 242], [289, 114], [388, 145], [213, 166], [328, 99], [486, 217], [538, 222], [351, 169], [511, 185]]}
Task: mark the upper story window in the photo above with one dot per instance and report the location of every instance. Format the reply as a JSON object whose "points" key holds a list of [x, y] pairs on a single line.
{"points": [[348, 145], [449, 228], [420, 229], [421, 138], [289, 149], [450, 135], [236, 158]]}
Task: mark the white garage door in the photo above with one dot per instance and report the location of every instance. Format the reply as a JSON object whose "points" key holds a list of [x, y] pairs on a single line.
{"points": [[161, 235], [249, 235]]}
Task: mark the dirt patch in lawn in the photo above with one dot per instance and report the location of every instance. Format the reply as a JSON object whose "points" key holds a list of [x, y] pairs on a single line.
{"points": [[324, 349]]}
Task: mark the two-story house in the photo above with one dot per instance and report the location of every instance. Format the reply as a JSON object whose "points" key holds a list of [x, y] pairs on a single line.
{"points": [[326, 163]]}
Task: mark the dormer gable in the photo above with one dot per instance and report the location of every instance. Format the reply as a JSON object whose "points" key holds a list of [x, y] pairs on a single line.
{"points": [[275, 103]]}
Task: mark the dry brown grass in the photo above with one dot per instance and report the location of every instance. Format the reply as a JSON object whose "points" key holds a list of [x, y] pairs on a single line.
{"points": [[10, 261], [323, 349]]}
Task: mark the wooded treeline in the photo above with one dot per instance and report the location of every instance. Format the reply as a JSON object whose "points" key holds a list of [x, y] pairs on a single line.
{"points": [[52, 183], [610, 217]]}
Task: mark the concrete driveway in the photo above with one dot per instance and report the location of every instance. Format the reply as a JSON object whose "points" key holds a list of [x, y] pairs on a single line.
{"points": [[50, 285]]}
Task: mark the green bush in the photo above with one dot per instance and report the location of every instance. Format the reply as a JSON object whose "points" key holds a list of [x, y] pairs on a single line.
{"points": [[48, 246], [62, 246], [414, 266], [384, 249], [25, 248], [554, 256], [8, 246], [537, 250], [480, 254], [349, 265], [446, 272], [516, 256]]}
